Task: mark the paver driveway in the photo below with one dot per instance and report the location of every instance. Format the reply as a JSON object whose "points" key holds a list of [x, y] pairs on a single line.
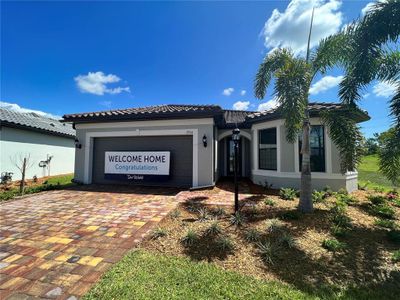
{"points": [[57, 244]]}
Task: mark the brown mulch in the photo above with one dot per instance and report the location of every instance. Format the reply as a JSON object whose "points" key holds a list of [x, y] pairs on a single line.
{"points": [[366, 260]]}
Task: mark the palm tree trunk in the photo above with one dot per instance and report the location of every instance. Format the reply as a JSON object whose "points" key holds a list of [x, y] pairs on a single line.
{"points": [[305, 204]]}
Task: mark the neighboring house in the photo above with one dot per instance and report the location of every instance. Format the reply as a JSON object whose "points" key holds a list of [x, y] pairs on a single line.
{"points": [[191, 146], [48, 142]]}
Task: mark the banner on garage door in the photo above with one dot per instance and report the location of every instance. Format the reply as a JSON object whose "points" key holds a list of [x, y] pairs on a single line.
{"points": [[137, 165]]}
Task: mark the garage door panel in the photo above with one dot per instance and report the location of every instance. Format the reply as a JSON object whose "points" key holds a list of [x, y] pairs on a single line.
{"points": [[181, 160]]}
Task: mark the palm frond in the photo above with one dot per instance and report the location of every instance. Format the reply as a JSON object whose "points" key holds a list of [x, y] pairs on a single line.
{"points": [[388, 66], [395, 108], [272, 62], [389, 157], [291, 89], [346, 134]]}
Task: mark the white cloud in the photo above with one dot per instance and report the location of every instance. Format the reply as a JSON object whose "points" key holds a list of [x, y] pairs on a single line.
{"points": [[15, 107], [384, 89], [241, 105], [290, 28], [366, 8], [273, 103], [96, 83], [325, 83], [228, 91], [105, 103], [365, 96], [242, 92]]}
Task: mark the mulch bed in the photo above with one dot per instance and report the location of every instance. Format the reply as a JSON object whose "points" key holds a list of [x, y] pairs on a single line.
{"points": [[366, 260]]}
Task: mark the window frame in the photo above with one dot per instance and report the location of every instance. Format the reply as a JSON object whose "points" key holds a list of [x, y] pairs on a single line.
{"points": [[325, 155], [259, 150]]}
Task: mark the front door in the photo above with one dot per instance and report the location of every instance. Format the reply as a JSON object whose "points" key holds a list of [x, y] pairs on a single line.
{"points": [[231, 158]]}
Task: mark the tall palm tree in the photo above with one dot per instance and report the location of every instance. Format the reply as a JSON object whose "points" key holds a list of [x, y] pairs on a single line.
{"points": [[293, 77], [370, 52]]}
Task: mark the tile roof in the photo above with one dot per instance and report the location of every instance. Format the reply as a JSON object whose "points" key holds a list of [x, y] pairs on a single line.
{"points": [[234, 118], [149, 112], [32, 121]]}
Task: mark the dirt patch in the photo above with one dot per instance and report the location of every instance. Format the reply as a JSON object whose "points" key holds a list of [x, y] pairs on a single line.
{"points": [[365, 260]]}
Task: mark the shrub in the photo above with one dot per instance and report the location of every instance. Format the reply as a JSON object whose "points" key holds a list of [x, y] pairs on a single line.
{"points": [[338, 231], [346, 198], [214, 229], [394, 236], [328, 191], [290, 215], [252, 235], [203, 214], [333, 245], [224, 243], [385, 223], [190, 238], [341, 220], [269, 201], [219, 212], [342, 191], [266, 252], [318, 197], [175, 214], [237, 219], [396, 202], [383, 211], [274, 225], [392, 196], [378, 189], [158, 232], [376, 199], [396, 256], [287, 240], [287, 193]]}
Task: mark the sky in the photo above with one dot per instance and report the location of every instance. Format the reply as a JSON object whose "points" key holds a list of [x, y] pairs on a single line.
{"points": [[67, 57]]}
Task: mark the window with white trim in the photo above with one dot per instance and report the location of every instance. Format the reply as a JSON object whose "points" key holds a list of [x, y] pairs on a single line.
{"points": [[317, 149], [267, 149]]}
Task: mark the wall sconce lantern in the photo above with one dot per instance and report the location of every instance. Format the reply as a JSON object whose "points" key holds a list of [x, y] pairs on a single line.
{"points": [[205, 141], [77, 144]]}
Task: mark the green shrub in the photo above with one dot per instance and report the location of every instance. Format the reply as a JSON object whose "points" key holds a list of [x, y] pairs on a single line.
{"points": [[338, 231], [328, 191], [342, 191], [214, 229], [175, 214], [396, 202], [203, 214], [378, 189], [383, 211], [346, 198], [190, 238], [252, 235], [266, 252], [218, 212], [287, 240], [341, 220], [224, 243], [318, 197], [394, 236], [376, 199], [269, 201], [274, 225], [396, 256], [385, 223], [287, 193], [237, 219], [333, 245], [290, 215], [158, 232]]}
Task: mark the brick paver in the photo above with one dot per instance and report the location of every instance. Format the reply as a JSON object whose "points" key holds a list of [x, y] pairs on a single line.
{"points": [[57, 244]]}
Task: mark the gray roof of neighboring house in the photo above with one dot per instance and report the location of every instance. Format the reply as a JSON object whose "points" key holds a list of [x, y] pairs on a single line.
{"points": [[223, 118], [35, 122]]}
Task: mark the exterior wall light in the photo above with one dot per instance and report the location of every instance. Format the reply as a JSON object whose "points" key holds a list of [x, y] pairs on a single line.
{"points": [[205, 141], [77, 144]]}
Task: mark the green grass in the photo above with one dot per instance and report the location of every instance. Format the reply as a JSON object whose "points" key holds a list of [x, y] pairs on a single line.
{"points": [[53, 183], [368, 171], [143, 275]]}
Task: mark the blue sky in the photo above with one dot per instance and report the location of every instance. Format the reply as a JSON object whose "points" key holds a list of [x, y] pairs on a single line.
{"points": [[66, 57]]}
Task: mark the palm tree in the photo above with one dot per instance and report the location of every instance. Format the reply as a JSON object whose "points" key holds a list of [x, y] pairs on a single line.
{"points": [[369, 52], [293, 77]]}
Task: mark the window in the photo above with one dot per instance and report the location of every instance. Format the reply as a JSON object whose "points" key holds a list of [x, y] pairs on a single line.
{"points": [[267, 150], [317, 148]]}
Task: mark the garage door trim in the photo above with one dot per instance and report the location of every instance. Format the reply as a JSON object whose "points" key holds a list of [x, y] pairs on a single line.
{"points": [[91, 135]]}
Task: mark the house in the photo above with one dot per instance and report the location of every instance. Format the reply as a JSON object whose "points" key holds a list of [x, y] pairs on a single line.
{"points": [[191, 146], [48, 143]]}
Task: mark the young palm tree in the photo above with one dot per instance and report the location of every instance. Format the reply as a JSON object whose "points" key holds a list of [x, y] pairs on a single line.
{"points": [[293, 77], [371, 53]]}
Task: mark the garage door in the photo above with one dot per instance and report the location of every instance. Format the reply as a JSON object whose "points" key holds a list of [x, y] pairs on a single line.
{"points": [[181, 157]]}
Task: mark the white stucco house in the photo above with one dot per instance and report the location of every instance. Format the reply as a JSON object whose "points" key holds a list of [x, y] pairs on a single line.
{"points": [[48, 142], [191, 146]]}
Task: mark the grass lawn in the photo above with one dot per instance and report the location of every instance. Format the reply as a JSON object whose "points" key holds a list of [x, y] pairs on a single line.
{"points": [[368, 173], [10, 191], [145, 275]]}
